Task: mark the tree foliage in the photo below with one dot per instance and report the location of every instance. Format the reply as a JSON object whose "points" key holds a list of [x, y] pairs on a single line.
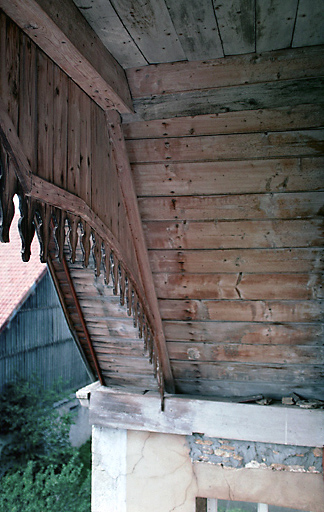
{"points": [[40, 469]]}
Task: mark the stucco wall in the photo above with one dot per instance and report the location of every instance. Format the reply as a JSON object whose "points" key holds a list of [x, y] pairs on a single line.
{"points": [[161, 477]]}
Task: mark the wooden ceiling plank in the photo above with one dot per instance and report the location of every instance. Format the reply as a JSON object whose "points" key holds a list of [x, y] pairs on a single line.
{"points": [[251, 372], [287, 260], [238, 70], [251, 286], [247, 121], [196, 28], [191, 334], [144, 23], [229, 177], [230, 389], [230, 99], [249, 311], [275, 22], [236, 22], [74, 47], [234, 207], [222, 147], [236, 234], [246, 353], [309, 28], [103, 19]]}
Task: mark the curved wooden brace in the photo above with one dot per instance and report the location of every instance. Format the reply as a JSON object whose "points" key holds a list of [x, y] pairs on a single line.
{"points": [[49, 203]]}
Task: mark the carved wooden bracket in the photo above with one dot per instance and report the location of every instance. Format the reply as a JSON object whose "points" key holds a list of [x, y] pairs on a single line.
{"points": [[52, 211]]}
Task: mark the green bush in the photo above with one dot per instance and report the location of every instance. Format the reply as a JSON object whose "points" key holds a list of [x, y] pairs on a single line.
{"points": [[46, 490], [40, 469]]}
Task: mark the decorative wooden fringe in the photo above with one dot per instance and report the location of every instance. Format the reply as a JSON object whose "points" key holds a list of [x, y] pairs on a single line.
{"points": [[71, 230]]}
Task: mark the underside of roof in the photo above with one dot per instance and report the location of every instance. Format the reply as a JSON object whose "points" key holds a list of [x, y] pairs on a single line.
{"points": [[179, 203]]}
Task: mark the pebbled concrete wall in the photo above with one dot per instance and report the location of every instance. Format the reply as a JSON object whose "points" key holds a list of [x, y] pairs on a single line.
{"points": [[245, 454]]}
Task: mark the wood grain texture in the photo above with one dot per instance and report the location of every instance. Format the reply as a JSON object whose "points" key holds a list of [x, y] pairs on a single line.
{"points": [[143, 23], [185, 415], [109, 27], [275, 21], [242, 311], [230, 99], [236, 21], [228, 147], [241, 286], [74, 47], [235, 352], [196, 27], [233, 261], [238, 70], [229, 177], [309, 28], [240, 234], [247, 121], [242, 333], [233, 207]]}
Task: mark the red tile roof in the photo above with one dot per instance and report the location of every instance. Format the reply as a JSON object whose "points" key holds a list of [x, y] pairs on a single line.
{"points": [[17, 279]]}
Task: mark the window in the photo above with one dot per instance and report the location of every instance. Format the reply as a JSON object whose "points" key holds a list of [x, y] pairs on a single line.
{"points": [[215, 505]]}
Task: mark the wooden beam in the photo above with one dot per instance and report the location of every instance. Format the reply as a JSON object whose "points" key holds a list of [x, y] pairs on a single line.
{"points": [[60, 30], [131, 206], [184, 415]]}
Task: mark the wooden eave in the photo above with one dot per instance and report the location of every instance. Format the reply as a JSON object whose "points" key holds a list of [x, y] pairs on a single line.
{"points": [[203, 210]]}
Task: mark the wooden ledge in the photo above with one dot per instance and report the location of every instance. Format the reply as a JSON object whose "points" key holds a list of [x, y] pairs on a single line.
{"points": [[184, 415]]}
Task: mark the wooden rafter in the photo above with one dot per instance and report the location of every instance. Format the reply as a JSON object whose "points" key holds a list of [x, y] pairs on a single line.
{"points": [[131, 205], [74, 47]]}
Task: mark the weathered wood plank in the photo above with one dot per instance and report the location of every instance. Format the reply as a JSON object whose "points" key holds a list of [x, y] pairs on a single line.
{"points": [[45, 116], [230, 177], [238, 70], [143, 24], [184, 415], [246, 286], [231, 147], [243, 333], [235, 352], [74, 47], [60, 142], [136, 230], [247, 121], [238, 234], [233, 207], [275, 21], [28, 101], [242, 311], [309, 28], [243, 260], [249, 372], [231, 99], [10, 67], [196, 28], [236, 22], [231, 389], [108, 26]]}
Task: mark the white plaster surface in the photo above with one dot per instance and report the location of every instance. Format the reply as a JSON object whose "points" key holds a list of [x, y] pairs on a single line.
{"points": [[108, 470], [159, 473], [161, 478]]}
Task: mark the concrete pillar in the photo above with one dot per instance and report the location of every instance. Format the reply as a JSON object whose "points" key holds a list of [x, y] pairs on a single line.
{"points": [[109, 448]]}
